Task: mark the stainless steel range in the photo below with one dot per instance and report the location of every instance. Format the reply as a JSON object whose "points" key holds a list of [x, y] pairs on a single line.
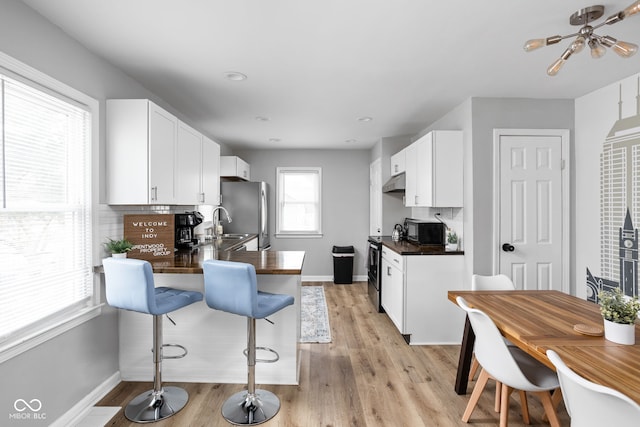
{"points": [[374, 287]]}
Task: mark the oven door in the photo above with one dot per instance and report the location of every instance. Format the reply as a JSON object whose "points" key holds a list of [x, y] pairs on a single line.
{"points": [[373, 267]]}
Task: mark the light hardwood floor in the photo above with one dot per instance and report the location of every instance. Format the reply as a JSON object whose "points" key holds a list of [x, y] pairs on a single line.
{"points": [[367, 376]]}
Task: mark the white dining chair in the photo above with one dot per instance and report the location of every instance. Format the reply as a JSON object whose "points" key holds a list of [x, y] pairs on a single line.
{"points": [[514, 368], [590, 404], [498, 282]]}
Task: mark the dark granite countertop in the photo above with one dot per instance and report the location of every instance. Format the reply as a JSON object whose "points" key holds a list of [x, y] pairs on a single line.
{"points": [[406, 248]]}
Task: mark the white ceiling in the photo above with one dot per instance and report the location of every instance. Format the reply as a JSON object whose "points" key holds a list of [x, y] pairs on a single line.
{"points": [[315, 66]]}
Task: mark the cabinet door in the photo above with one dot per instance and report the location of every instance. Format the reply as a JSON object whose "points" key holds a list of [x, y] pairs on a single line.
{"points": [[188, 165], [447, 169], [210, 172], [244, 170], [411, 176], [398, 163], [163, 132], [392, 290], [424, 173]]}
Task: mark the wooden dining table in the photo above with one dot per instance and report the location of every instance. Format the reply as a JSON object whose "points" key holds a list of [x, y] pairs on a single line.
{"points": [[537, 321]]}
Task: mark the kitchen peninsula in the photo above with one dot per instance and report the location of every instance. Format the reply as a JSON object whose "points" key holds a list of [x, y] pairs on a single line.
{"points": [[215, 339]]}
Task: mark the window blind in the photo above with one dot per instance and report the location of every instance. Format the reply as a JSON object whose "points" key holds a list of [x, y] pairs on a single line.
{"points": [[45, 209]]}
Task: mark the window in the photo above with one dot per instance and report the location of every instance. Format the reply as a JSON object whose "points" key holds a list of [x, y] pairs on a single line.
{"points": [[299, 210], [46, 276]]}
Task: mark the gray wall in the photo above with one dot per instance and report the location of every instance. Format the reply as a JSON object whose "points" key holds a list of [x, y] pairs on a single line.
{"points": [[478, 117], [345, 202]]}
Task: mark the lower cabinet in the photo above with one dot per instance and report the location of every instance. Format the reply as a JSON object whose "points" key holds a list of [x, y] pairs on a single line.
{"points": [[393, 296], [414, 295]]}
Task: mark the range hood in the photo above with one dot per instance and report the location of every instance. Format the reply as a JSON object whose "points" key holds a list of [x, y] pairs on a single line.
{"points": [[396, 184]]}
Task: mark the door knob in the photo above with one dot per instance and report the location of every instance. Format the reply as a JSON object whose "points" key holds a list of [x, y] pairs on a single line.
{"points": [[507, 247]]}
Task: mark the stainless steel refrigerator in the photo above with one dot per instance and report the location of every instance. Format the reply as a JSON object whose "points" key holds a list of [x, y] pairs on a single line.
{"points": [[247, 205]]}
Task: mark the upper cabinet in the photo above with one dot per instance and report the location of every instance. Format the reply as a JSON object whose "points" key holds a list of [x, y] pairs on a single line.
{"points": [[434, 173], [188, 165], [398, 163], [197, 168], [141, 142], [210, 172], [154, 158], [235, 167]]}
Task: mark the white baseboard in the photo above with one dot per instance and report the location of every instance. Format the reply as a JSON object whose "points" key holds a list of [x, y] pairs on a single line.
{"points": [[74, 415], [330, 278]]}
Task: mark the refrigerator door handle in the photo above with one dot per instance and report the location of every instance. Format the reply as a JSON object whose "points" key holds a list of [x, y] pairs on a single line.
{"points": [[263, 219]]}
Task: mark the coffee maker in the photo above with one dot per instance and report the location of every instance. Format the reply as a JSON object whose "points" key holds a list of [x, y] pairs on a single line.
{"points": [[185, 223]]}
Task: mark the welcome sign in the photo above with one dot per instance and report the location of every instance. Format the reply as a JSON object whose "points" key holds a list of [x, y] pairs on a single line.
{"points": [[152, 235]]}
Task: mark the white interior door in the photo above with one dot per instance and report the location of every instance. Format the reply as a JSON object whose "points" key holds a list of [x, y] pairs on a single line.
{"points": [[375, 198], [532, 216]]}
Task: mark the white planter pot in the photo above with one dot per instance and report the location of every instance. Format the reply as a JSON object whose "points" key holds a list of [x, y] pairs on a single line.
{"points": [[123, 255], [619, 332]]}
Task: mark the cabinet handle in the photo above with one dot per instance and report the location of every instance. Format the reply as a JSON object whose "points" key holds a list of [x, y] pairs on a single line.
{"points": [[396, 261], [388, 271], [415, 200], [202, 199], [154, 193], [395, 168]]}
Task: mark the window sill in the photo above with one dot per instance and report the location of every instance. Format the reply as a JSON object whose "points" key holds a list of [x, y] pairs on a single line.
{"points": [[47, 332], [299, 236]]}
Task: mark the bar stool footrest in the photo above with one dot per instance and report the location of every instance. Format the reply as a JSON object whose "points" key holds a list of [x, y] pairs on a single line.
{"points": [[246, 354], [177, 356]]}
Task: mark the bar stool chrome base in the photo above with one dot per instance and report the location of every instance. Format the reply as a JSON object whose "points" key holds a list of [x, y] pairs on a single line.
{"points": [[244, 408], [150, 406]]}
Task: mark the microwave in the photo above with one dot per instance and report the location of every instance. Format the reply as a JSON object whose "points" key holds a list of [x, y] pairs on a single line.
{"points": [[426, 233]]}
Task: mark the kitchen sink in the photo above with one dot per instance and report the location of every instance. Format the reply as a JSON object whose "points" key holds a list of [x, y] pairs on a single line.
{"points": [[234, 236]]}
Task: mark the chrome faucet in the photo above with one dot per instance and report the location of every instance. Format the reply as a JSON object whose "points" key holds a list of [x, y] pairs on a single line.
{"points": [[216, 219]]}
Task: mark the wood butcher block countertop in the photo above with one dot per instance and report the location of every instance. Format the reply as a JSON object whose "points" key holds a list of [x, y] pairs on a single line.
{"points": [[265, 262]]}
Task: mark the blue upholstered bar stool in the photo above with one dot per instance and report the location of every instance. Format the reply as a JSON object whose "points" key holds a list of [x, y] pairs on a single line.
{"points": [[232, 287], [129, 286]]}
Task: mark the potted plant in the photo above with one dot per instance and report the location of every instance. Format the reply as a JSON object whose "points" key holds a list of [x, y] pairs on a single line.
{"points": [[452, 241], [118, 248], [620, 313]]}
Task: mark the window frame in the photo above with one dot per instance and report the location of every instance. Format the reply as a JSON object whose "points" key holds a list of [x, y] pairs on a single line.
{"points": [[288, 233], [51, 326]]}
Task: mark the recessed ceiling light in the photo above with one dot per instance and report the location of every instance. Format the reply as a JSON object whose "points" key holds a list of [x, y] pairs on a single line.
{"points": [[235, 76], [274, 140], [365, 119], [350, 141], [262, 118]]}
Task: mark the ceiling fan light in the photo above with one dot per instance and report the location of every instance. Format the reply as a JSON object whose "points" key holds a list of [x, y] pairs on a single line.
{"points": [[555, 67], [631, 9], [625, 49]]}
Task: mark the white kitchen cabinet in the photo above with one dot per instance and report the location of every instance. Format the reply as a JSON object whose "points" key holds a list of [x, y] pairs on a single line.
{"points": [[393, 296], [188, 165], [434, 173], [197, 168], [140, 152], [235, 167], [414, 295], [398, 163], [210, 172]]}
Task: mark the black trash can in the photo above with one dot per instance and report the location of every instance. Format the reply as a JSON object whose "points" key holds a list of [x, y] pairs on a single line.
{"points": [[343, 265]]}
